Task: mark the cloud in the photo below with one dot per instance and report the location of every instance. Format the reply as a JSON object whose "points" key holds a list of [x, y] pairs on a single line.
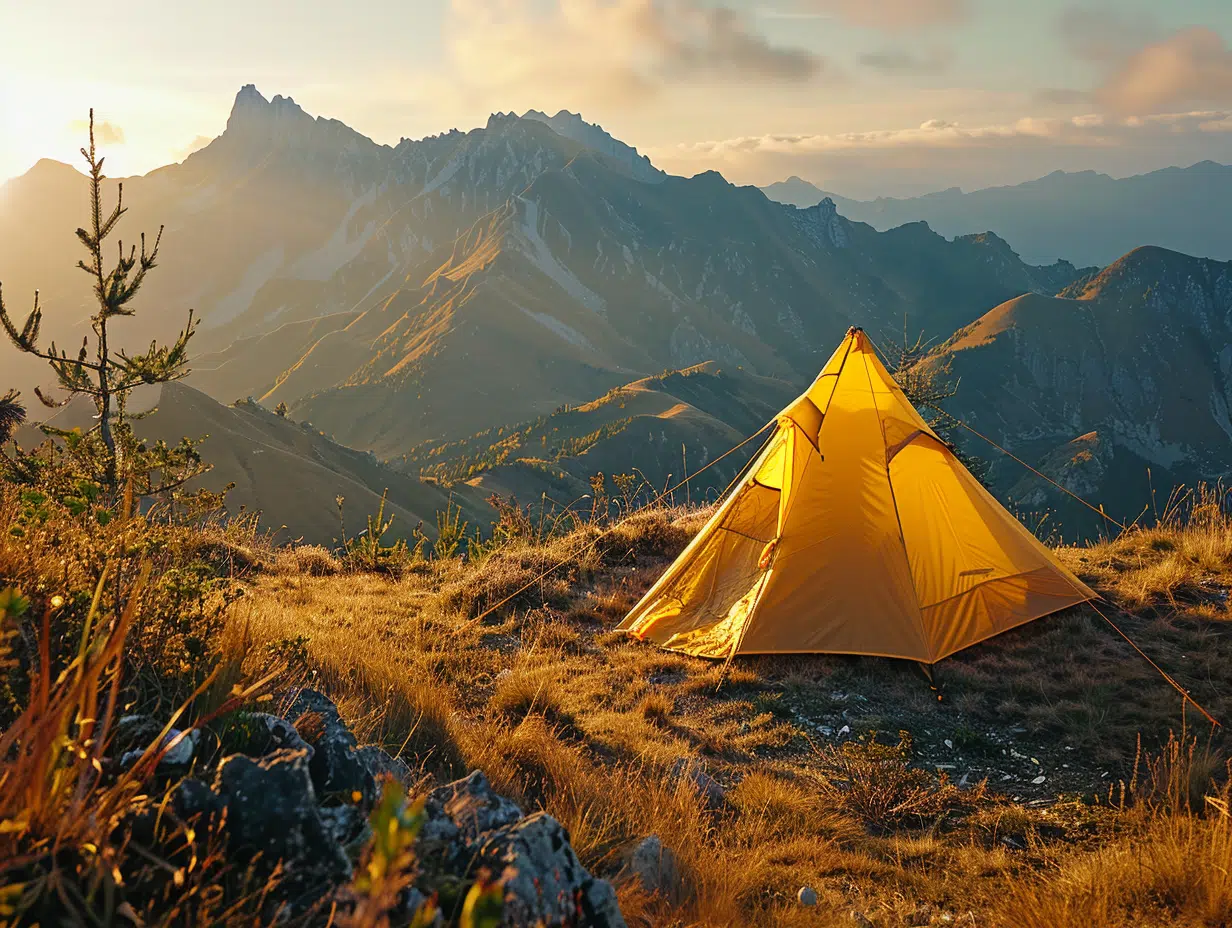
{"points": [[105, 133], [903, 61], [1190, 68], [940, 153], [895, 15], [1090, 130], [605, 51], [196, 144], [1105, 34], [1143, 69], [933, 133], [694, 39]]}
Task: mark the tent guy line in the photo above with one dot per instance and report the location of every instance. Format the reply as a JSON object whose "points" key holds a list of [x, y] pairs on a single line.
{"points": [[1098, 510], [594, 541]]}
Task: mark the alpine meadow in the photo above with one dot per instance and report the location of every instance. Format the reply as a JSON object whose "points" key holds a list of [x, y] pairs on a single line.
{"points": [[806, 501]]}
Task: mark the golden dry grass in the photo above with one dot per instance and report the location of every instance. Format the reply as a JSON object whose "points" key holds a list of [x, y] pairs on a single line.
{"points": [[564, 715]]}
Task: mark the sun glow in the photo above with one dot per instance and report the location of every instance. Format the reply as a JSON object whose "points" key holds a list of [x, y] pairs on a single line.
{"points": [[137, 129]]}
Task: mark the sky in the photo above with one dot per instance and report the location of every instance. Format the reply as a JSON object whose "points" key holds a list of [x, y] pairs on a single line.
{"points": [[861, 97]]}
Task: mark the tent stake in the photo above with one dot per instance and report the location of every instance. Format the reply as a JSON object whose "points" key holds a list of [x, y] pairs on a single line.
{"points": [[930, 674]]}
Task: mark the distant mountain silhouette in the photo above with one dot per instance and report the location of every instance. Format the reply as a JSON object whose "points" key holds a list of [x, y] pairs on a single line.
{"points": [[1085, 217]]}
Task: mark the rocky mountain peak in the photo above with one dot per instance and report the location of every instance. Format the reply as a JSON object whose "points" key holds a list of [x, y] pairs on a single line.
{"points": [[989, 240], [251, 111], [260, 123], [572, 126], [497, 120]]}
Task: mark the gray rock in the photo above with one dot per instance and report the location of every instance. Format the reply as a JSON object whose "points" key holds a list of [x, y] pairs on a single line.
{"points": [[467, 825], [345, 824], [545, 882], [134, 733], [687, 771], [337, 770], [193, 798], [179, 754], [282, 734], [458, 815], [379, 763], [415, 901], [806, 896], [655, 867], [271, 811]]}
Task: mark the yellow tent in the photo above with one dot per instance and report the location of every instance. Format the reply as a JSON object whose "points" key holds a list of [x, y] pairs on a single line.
{"points": [[855, 531]]}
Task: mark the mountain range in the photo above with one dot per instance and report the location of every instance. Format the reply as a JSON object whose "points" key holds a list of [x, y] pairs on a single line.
{"points": [[1119, 386], [514, 308], [1087, 217], [428, 290]]}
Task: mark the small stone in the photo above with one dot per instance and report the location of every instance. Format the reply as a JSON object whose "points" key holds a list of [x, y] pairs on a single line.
{"points": [[179, 755], [134, 733], [181, 752], [949, 743], [845, 730], [708, 788], [655, 867], [1038, 780], [806, 896]]}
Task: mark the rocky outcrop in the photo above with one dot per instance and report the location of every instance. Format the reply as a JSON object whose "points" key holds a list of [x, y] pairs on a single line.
{"points": [[291, 795]]}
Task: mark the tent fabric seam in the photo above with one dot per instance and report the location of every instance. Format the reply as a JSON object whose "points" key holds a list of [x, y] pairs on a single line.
{"points": [[816, 446], [902, 537]]}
